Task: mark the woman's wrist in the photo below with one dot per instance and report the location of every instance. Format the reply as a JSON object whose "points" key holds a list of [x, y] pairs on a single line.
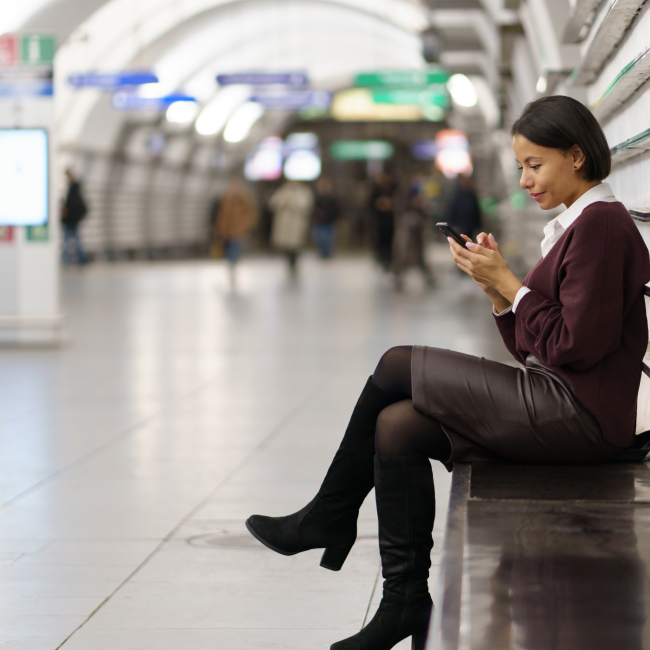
{"points": [[509, 287]]}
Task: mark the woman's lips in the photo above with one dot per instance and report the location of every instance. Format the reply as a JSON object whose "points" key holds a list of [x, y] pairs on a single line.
{"points": [[537, 197]]}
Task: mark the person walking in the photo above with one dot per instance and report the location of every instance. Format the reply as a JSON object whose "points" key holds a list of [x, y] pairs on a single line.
{"points": [[327, 210], [236, 217], [382, 209], [408, 250], [292, 205], [578, 326], [74, 212]]}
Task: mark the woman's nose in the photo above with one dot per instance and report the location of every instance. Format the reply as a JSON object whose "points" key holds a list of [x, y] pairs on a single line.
{"points": [[524, 181]]}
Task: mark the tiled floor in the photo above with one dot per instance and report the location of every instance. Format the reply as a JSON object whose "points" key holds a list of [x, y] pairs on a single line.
{"points": [[130, 458]]}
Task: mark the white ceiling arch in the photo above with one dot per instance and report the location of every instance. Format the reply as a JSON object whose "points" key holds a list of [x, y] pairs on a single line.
{"points": [[328, 38]]}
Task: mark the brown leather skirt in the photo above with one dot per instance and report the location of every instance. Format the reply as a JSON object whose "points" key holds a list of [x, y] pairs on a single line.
{"points": [[491, 411]]}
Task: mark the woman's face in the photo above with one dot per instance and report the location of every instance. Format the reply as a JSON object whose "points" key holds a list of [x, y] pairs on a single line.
{"points": [[552, 177]]}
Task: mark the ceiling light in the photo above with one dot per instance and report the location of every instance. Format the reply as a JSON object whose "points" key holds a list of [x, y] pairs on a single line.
{"points": [[542, 85], [151, 90], [215, 114], [182, 112], [240, 124], [462, 90]]}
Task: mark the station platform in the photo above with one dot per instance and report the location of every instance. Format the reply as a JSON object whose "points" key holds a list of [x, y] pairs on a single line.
{"points": [[131, 456]]}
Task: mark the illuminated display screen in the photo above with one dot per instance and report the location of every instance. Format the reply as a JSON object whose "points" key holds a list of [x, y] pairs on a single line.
{"points": [[265, 163], [23, 177]]}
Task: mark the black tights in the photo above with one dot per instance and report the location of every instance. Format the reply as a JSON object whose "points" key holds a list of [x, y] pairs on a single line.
{"points": [[401, 430]]}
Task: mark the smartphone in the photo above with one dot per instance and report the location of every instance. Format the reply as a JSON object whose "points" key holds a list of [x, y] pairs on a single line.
{"points": [[450, 231]]}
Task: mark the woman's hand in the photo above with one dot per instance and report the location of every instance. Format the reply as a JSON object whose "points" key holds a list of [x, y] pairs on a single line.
{"points": [[485, 264]]}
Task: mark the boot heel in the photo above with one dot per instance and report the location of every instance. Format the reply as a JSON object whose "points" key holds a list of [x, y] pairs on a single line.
{"points": [[418, 641], [333, 558]]}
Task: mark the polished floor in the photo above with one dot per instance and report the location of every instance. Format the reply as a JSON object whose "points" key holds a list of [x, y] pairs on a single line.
{"points": [[130, 457]]}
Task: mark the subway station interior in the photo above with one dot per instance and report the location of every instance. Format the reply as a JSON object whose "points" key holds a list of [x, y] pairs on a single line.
{"points": [[216, 216]]}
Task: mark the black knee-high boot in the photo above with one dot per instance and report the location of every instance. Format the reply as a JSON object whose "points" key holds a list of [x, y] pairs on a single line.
{"points": [[329, 521], [406, 510]]}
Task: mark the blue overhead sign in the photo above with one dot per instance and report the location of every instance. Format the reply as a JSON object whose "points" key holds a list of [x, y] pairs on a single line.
{"points": [[131, 102], [264, 78], [27, 88], [112, 80], [294, 99]]}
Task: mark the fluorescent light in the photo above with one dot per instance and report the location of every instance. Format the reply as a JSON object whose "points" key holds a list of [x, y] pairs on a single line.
{"points": [[462, 90], [151, 90], [215, 114], [240, 124], [182, 112], [542, 85], [302, 165]]}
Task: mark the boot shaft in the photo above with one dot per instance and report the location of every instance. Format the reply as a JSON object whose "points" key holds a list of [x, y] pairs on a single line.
{"points": [[406, 509]]}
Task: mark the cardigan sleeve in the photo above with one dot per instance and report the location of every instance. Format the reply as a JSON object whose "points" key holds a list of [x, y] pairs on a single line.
{"points": [[506, 323], [586, 323]]}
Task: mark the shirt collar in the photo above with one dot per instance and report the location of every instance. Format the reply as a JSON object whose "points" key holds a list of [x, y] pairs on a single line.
{"points": [[600, 192]]}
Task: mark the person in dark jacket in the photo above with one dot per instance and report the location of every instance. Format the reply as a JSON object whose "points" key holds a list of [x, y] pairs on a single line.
{"points": [[382, 210], [327, 210], [75, 210], [463, 211], [578, 323]]}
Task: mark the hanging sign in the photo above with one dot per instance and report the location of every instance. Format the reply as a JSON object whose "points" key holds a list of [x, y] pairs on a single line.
{"points": [[37, 49], [432, 96], [294, 99], [403, 78], [131, 102], [264, 78], [361, 150], [26, 65], [112, 80]]}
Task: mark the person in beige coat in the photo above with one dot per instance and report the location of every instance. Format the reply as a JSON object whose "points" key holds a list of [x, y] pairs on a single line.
{"points": [[292, 206], [237, 216]]}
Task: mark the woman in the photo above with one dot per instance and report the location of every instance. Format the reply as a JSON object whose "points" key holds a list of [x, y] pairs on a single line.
{"points": [[578, 323], [292, 205]]}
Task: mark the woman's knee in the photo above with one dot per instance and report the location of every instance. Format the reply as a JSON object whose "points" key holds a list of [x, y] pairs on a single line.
{"points": [[393, 372], [391, 427]]}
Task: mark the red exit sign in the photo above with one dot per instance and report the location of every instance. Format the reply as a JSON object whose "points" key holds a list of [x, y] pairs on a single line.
{"points": [[9, 53]]}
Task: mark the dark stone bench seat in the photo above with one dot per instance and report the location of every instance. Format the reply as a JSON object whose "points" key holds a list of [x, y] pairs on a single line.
{"points": [[545, 558]]}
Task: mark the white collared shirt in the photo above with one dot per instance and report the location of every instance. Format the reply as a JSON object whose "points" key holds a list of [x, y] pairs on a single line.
{"points": [[555, 228]]}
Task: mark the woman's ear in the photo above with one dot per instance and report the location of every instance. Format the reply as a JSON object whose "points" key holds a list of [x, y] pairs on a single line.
{"points": [[578, 157]]}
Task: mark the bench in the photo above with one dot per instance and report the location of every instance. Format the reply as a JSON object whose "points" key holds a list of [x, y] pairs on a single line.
{"points": [[546, 557]]}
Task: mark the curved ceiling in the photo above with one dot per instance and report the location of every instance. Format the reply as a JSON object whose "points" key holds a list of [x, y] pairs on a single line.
{"points": [[328, 39]]}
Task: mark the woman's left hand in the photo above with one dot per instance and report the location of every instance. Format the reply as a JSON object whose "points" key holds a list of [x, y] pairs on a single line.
{"points": [[486, 267]]}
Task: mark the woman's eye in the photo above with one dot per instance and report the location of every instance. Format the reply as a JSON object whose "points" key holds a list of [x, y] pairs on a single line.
{"points": [[520, 168], [535, 166]]}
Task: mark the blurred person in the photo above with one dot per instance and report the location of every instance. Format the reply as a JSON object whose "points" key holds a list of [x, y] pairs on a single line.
{"points": [[579, 329], [214, 249], [327, 210], [408, 250], [382, 208], [236, 217], [74, 212], [463, 211], [292, 206]]}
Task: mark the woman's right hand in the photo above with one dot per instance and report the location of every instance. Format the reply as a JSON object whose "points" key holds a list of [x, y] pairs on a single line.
{"points": [[488, 241]]}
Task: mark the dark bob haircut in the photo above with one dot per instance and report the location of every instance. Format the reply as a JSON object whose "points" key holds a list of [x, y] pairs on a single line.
{"points": [[559, 122]]}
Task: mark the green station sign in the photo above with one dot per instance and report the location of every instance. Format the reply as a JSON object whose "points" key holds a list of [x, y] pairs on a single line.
{"points": [[361, 150], [38, 233], [402, 78], [435, 95], [37, 49]]}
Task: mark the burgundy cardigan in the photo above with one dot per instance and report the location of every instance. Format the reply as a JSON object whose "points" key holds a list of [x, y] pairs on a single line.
{"points": [[585, 315]]}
